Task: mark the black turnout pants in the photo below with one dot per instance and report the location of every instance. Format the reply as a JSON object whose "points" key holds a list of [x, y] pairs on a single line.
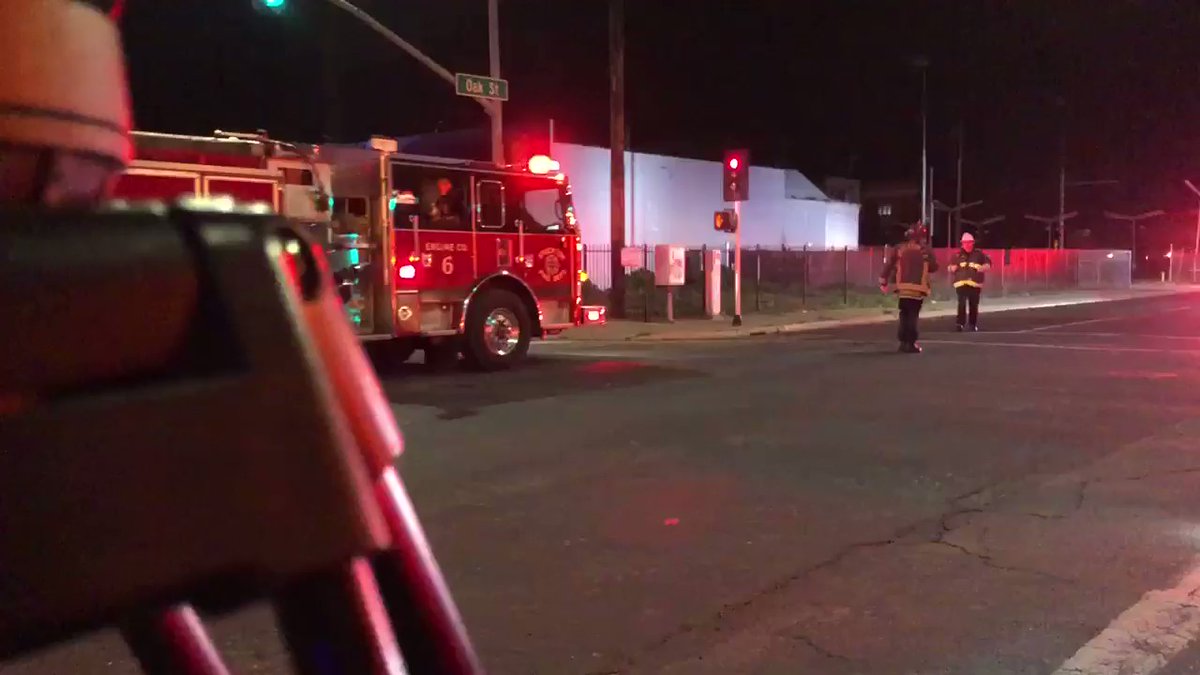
{"points": [[910, 313], [968, 305]]}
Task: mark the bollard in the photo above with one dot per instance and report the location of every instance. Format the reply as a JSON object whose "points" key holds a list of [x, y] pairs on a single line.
{"points": [[646, 290], [804, 277], [846, 276], [757, 277]]}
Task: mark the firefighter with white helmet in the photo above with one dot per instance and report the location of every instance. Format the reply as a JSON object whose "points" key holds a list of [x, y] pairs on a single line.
{"points": [[968, 267]]}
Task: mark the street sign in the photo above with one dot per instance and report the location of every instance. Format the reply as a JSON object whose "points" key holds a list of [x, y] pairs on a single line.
{"points": [[478, 86], [632, 257]]}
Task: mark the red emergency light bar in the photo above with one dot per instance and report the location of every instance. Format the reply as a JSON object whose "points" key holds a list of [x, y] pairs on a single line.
{"points": [[542, 165]]}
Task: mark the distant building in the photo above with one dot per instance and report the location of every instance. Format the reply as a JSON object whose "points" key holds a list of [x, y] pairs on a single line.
{"points": [[672, 200], [888, 207], [847, 190]]}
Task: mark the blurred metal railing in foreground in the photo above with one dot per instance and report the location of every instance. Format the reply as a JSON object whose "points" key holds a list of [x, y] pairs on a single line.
{"points": [[187, 421]]}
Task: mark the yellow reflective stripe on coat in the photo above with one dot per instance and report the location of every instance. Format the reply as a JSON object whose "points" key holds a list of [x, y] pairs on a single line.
{"points": [[967, 282]]}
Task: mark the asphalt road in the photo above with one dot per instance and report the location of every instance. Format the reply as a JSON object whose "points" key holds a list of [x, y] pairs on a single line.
{"points": [[1007, 502]]}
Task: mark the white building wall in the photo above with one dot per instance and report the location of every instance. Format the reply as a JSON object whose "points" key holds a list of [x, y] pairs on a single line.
{"points": [[672, 200]]}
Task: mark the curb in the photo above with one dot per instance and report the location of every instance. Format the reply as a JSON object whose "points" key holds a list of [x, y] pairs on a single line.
{"points": [[807, 326]]}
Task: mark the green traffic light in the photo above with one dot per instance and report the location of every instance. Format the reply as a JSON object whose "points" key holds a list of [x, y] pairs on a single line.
{"points": [[274, 4]]}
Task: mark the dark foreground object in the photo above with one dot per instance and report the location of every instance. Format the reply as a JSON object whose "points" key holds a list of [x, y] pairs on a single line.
{"points": [[187, 421]]}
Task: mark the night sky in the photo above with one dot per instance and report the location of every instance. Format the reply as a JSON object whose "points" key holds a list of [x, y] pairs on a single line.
{"points": [[825, 86]]}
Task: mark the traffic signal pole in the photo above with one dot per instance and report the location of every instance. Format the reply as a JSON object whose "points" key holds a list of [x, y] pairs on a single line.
{"points": [[735, 187], [492, 108], [737, 264]]}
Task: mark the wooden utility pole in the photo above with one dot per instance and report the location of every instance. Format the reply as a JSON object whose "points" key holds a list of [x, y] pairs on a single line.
{"points": [[616, 98], [497, 109]]}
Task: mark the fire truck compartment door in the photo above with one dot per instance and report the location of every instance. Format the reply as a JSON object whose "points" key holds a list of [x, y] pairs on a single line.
{"points": [[408, 313], [138, 184], [243, 189]]}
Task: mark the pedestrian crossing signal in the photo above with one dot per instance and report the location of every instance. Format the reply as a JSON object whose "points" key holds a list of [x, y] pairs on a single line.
{"points": [[725, 221]]}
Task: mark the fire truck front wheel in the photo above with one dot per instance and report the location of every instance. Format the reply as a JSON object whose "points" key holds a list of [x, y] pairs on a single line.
{"points": [[497, 332]]}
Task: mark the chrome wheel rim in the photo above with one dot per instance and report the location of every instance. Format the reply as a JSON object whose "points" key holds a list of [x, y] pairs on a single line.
{"points": [[501, 332]]}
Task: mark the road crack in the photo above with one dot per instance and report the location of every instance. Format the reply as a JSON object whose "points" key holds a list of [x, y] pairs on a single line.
{"points": [[812, 644], [1155, 474], [963, 508], [991, 562]]}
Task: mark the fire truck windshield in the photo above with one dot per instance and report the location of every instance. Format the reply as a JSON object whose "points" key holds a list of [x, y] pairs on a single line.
{"points": [[543, 204], [544, 207]]}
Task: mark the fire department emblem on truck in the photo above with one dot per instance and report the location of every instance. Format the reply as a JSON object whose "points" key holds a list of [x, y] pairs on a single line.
{"points": [[552, 264]]}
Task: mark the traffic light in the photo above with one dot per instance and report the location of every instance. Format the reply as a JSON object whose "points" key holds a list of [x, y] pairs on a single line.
{"points": [[736, 170], [725, 221], [276, 6]]}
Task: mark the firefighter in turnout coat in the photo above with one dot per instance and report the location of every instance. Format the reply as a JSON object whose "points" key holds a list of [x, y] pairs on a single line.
{"points": [[968, 266], [908, 272]]}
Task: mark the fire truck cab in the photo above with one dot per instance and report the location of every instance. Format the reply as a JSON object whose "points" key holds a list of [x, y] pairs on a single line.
{"points": [[454, 256]]}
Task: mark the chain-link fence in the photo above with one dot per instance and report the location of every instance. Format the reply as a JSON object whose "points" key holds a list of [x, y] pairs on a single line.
{"points": [[1181, 267], [783, 279]]}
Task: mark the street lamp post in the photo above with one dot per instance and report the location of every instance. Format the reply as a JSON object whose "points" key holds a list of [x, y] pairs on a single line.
{"points": [[1196, 250], [1133, 221], [953, 215], [980, 224], [923, 64], [1052, 222]]}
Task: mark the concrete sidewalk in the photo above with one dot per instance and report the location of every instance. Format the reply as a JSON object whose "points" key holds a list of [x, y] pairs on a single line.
{"points": [[815, 319]]}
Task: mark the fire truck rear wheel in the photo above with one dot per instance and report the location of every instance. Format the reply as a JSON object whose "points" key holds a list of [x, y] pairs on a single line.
{"points": [[497, 332]]}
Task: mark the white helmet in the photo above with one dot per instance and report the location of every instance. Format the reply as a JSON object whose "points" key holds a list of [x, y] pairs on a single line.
{"points": [[967, 236]]}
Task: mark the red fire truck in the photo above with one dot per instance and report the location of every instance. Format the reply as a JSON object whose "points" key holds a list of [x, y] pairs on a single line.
{"points": [[462, 257], [447, 256], [243, 167]]}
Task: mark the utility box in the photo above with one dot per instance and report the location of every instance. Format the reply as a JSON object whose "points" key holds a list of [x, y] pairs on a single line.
{"points": [[633, 257], [668, 265], [712, 282]]}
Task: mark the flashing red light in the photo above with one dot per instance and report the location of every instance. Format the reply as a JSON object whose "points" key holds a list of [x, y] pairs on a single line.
{"points": [[733, 163], [541, 164]]}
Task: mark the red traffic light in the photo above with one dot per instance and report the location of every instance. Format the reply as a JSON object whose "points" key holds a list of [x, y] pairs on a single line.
{"points": [[736, 183]]}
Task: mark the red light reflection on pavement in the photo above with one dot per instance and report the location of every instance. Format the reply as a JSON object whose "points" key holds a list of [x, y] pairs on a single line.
{"points": [[635, 514], [608, 367], [1142, 375]]}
